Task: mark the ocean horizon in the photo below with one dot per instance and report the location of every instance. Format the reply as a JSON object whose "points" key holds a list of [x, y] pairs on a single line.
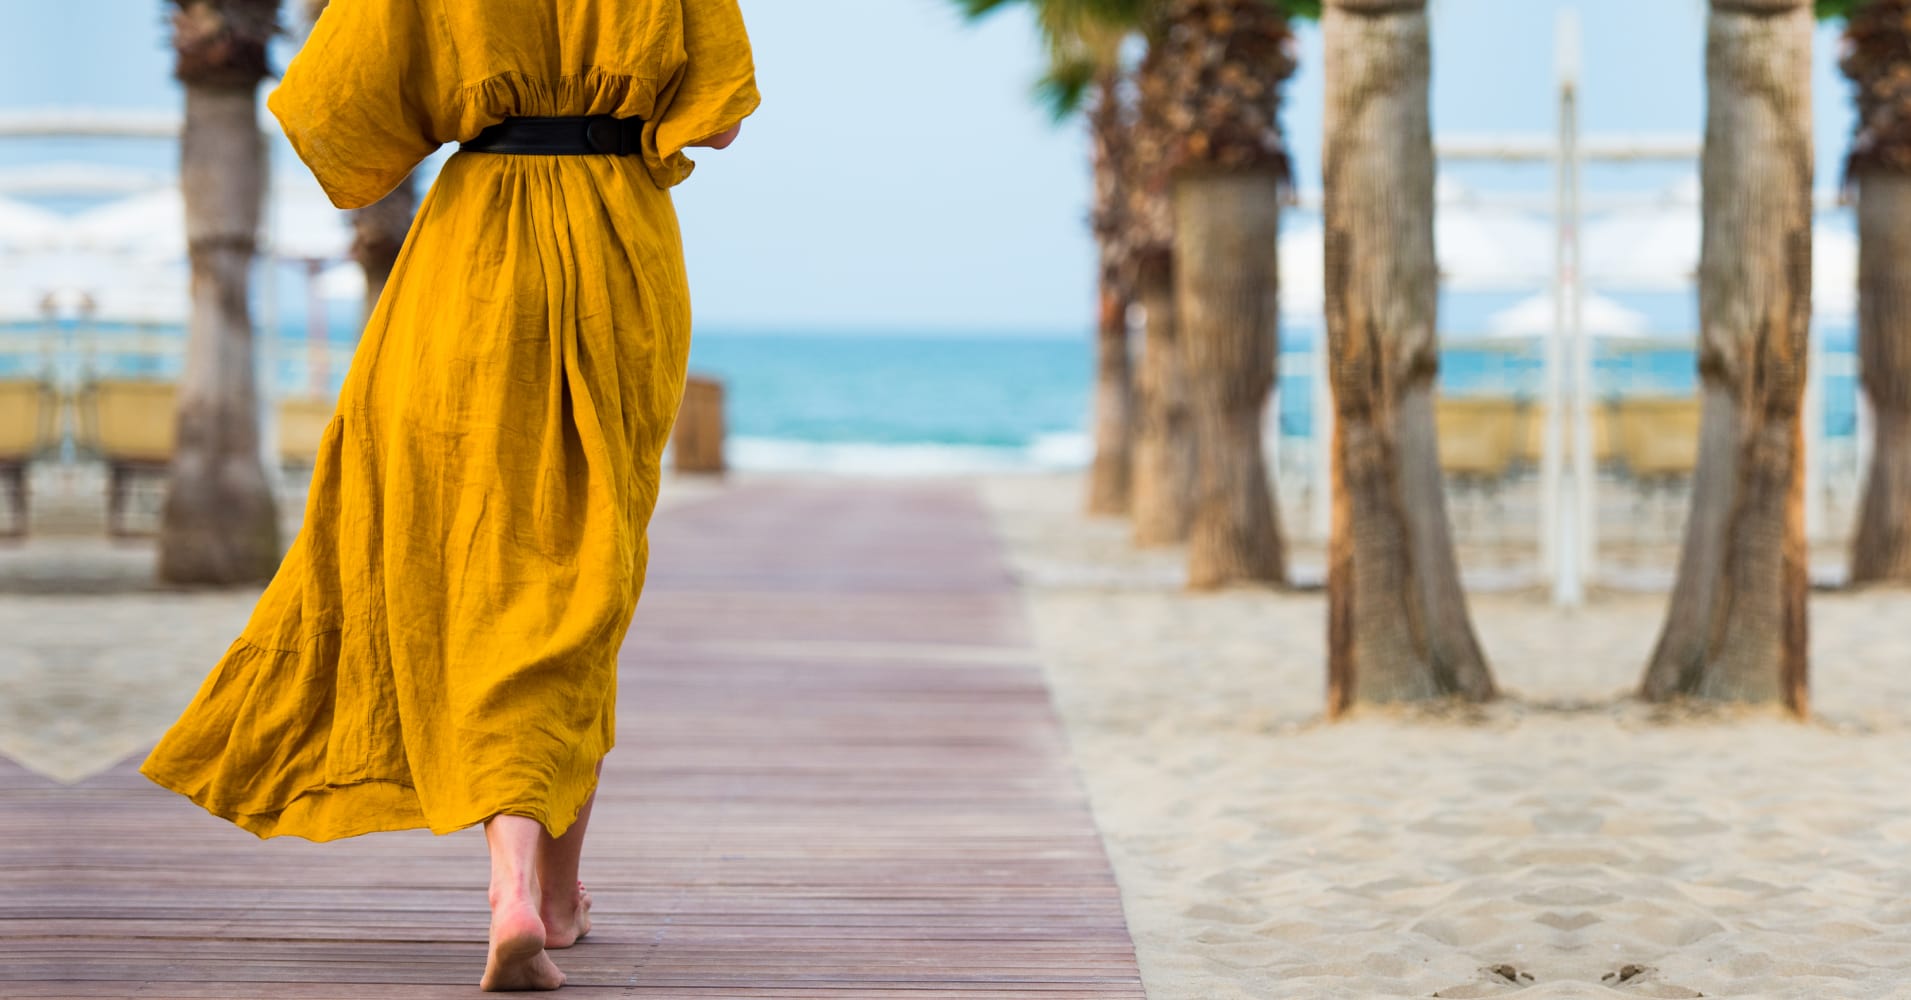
{"points": [[870, 401]]}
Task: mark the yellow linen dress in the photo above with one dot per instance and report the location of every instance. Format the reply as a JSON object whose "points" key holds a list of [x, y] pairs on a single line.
{"points": [[440, 644]]}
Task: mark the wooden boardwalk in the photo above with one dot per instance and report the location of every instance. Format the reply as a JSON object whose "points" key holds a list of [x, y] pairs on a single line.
{"points": [[838, 775]]}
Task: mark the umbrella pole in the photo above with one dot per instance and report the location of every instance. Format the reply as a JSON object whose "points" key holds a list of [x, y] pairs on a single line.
{"points": [[266, 332], [1561, 549], [317, 376], [1814, 420], [1585, 503]]}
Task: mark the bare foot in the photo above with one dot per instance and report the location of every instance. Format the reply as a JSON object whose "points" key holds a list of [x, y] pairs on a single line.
{"points": [[518, 961], [566, 922]]}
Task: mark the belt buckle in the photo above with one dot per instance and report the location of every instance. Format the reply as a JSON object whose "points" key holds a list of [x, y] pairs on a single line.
{"points": [[611, 136]]}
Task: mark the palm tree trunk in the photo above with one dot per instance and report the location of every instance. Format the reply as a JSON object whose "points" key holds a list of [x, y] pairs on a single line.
{"points": [[1398, 628], [1736, 628], [220, 524], [1881, 552], [1111, 477], [379, 229], [1226, 228], [1163, 494], [379, 232]]}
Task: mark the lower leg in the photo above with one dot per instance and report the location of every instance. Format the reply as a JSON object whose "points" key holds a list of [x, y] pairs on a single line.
{"points": [[517, 960], [564, 905]]}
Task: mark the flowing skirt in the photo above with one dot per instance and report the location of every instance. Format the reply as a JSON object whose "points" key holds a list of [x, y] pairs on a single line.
{"points": [[440, 644]]}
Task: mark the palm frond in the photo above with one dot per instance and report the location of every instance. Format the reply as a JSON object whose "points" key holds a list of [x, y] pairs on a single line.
{"points": [[1064, 88], [1084, 39]]}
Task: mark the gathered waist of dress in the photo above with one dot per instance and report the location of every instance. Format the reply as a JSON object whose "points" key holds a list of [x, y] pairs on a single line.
{"points": [[582, 135]]}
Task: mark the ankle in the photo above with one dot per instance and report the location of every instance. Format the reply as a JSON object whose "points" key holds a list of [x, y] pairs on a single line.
{"points": [[513, 890]]}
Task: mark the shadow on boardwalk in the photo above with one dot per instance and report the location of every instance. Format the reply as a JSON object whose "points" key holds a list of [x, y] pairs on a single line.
{"points": [[838, 774]]}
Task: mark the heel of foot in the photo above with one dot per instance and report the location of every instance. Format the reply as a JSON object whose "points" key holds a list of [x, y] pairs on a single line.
{"points": [[520, 944], [517, 960]]}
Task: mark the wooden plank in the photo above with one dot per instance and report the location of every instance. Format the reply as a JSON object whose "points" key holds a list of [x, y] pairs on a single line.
{"points": [[838, 775]]}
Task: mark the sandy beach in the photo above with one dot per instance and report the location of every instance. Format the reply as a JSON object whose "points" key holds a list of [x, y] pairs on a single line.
{"points": [[1562, 843], [1565, 842], [96, 659]]}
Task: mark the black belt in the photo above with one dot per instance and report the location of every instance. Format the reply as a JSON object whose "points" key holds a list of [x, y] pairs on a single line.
{"points": [[593, 135]]}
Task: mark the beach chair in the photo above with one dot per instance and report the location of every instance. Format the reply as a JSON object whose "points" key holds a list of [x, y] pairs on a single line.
{"points": [[302, 423], [130, 424], [1533, 436], [29, 428], [1479, 442], [1658, 437], [697, 440], [1658, 445]]}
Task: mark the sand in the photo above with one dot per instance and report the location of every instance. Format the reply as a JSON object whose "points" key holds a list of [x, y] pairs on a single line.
{"points": [[1563, 843], [96, 657]]}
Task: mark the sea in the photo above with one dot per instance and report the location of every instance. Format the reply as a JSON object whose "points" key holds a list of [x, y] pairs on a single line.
{"points": [[913, 403]]}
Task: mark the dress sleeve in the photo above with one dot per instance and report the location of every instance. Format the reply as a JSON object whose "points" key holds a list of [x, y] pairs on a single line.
{"points": [[367, 97], [714, 90]]}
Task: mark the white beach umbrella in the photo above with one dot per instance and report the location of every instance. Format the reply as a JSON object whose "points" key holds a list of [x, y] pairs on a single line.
{"points": [[133, 292], [77, 178], [150, 225], [35, 287], [153, 225], [25, 228], [305, 222], [153, 302], [21, 304], [1654, 247], [1536, 317], [1642, 252], [1479, 247], [1485, 247]]}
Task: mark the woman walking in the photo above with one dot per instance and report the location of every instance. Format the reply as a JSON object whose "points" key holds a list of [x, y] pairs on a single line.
{"points": [[439, 647]]}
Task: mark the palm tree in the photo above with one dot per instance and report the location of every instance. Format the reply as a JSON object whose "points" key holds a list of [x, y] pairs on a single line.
{"points": [[1163, 498], [1398, 627], [1084, 39], [379, 229], [1205, 153], [220, 523], [1736, 627], [1878, 60], [1219, 65]]}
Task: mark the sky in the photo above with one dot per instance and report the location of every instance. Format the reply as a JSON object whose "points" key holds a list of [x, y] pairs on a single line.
{"points": [[900, 178]]}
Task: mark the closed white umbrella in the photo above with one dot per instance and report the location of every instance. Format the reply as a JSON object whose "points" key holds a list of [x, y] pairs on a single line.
{"points": [[1537, 316], [1834, 272], [153, 226]]}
